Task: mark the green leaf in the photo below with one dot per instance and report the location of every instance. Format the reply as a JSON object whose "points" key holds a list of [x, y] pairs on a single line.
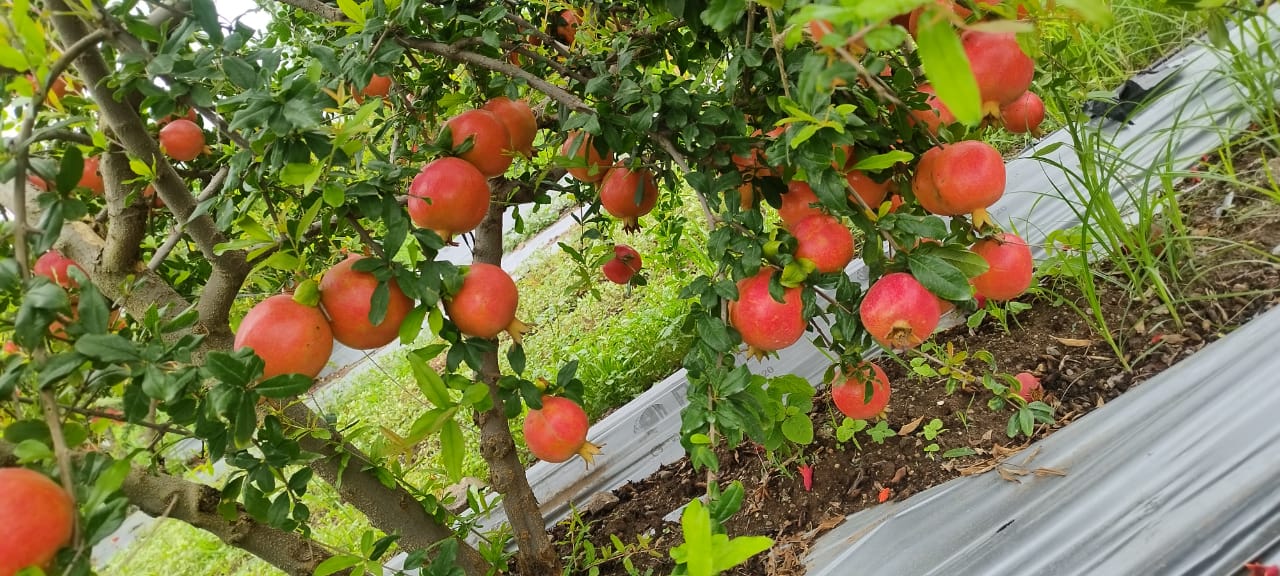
{"points": [[959, 452], [246, 420], [58, 367], [739, 550], [284, 386], [337, 564], [1095, 11], [452, 449], [207, 15], [939, 276], [412, 324], [721, 14], [696, 523], [798, 429], [352, 11], [240, 73], [429, 381], [516, 358], [12, 58], [107, 348], [70, 170], [947, 67], [883, 161], [475, 393], [94, 313]]}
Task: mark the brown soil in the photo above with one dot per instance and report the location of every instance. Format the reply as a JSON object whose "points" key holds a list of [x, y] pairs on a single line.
{"points": [[1222, 287]]}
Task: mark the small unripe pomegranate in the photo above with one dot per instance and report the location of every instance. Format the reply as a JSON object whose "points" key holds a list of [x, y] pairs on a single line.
{"points": [[825, 241], [850, 392], [558, 431], [899, 312], [766, 325], [625, 263], [1010, 267], [1030, 389]]}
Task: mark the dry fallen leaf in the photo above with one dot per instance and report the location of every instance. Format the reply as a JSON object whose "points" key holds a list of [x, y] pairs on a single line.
{"points": [[910, 427], [1074, 342]]}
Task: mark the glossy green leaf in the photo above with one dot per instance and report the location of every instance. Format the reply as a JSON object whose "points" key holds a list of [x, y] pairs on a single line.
{"points": [[947, 67]]}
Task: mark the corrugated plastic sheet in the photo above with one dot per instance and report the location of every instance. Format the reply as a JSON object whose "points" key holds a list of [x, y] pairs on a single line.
{"points": [[1202, 106]]}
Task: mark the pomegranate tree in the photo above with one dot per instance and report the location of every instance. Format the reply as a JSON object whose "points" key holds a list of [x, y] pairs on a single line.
{"points": [[628, 194], [899, 312], [558, 431], [347, 296], [290, 337], [36, 519], [486, 303], [489, 138], [625, 263], [449, 196], [849, 392], [825, 241], [766, 325], [1009, 267]]}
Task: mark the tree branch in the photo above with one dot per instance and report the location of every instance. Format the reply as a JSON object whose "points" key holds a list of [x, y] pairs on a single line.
{"points": [[175, 235], [317, 7], [564, 97], [128, 222]]}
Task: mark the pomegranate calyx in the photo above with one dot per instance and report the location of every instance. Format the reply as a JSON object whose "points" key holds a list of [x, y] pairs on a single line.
{"points": [[982, 219], [754, 353], [518, 329], [630, 224], [588, 452], [901, 336]]}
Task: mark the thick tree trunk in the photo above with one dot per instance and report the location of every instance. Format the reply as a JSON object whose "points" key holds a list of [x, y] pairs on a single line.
{"points": [[391, 509], [161, 495], [506, 473]]}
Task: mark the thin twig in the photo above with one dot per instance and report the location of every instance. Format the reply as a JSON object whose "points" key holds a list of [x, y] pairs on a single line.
{"points": [[456, 54], [776, 40], [175, 235], [364, 235], [546, 38], [857, 198], [679, 159], [49, 406]]}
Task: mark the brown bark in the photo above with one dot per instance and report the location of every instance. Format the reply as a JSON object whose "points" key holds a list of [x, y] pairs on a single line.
{"points": [[161, 495], [393, 510], [506, 472]]}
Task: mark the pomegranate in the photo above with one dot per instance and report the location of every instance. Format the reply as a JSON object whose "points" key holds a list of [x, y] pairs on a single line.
{"points": [[766, 325], [618, 193], [798, 203], [1010, 263], [871, 192], [1024, 114], [626, 263], [960, 178], [518, 118], [1003, 71], [10, 347], [190, 115], [182, 140], [378, 87], [1029, 387], [825, 241], [449, 196], [937, 116], [558, 430], [58, 88], [850, 394], [756, 164], [36, 519], [818, 29], [486, 303], [899, 312], [91, 177], [53, 265], [566, 27], [291, 338], [149, 195], [596, 164], [347, 296], [490, 139]]}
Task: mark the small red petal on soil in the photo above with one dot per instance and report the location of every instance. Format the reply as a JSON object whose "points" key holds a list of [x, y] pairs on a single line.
{"points": [[1256, 569], [806, 475], [884, 495]]}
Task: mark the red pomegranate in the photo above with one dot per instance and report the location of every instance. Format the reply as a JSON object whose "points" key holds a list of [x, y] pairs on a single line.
{"points": [[825, 241], [10, 347], [291, 338], [850, 394], [766, 325], [618, 192], [347, 296], [961, 178], [53, 265], [36, 519], [1029, 389], [756, 164], [580, 146], [378, 87], [486, 303], [1024, 114], [799, 202], [1003, 71], [558, 430], [899, 312], [625, 263], [1010, 263], [567, 26], [490, 139], [818, 29], [871, 192], [182, 140], [937, 116], [449, 196], [91, 177], [518, 118]]}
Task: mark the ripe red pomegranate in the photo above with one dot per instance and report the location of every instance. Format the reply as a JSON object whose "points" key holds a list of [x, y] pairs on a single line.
{"points": [[291, 338], [825, 241], [182, 140], [1030, 387], [558, 430], [766, 325], [618, 193], [626, 263], [798, 203], [596, 164], [91, 177], [378, 87], [939, 115], [850, 393], [960, 178], [486, 304], [347, 296], [1024, 114], [59, 88], [1003, 71], [518, 118], [449, 196], [38, 183], [53, 265], [818, 29], [566, 28], [1010, 263], [899, 312], [872, 192], [36, 519], [491, 139], [149, 194]]}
